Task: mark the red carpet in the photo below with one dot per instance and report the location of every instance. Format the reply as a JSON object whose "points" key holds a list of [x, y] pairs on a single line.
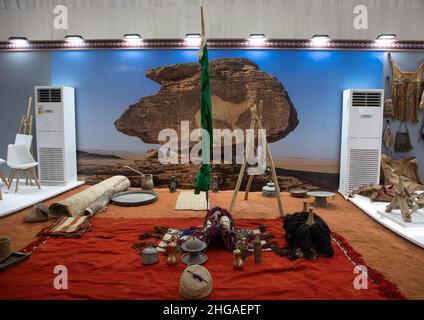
{"points": [[102, 265]]}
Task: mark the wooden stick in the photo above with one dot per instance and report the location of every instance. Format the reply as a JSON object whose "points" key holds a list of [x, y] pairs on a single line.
{"points": [[240, 178], [29, 107], [34, 175], [12, 175], [202, 19], [3, 177], [30, 125], [274, 177], [22, 124], [17, 180], [249, 184]]}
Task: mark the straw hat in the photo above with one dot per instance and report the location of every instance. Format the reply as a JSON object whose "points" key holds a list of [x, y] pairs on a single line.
{"points": [[195, 282], [4, 248]]}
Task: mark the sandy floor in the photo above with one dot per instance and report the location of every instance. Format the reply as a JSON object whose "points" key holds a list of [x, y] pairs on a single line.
{"points": [[399, 260]]}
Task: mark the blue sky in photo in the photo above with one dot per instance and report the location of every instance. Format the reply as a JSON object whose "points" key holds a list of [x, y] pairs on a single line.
{"points": [[108, 81]]}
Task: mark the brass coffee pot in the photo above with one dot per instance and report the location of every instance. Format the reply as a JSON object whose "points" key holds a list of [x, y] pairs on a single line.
{"points": [[171, 250]]}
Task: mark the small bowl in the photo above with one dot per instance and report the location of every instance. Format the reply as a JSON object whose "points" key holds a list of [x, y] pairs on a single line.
{"points": [[298, 192]]}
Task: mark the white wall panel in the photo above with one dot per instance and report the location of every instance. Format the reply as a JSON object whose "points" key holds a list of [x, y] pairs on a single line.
{"points": [[106, 19]]}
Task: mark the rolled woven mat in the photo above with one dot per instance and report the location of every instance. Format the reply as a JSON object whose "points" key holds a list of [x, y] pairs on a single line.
{"points": [[100, 203], [4, 248], [78, 203]]}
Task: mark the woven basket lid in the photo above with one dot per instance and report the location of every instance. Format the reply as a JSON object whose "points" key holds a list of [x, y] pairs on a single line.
{"points": [[195, 282]]}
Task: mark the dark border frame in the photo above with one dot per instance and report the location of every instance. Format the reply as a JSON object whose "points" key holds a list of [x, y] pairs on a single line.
{"points": [[216, 44]]}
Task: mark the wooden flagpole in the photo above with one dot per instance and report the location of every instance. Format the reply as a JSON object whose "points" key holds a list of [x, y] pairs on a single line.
{"points": [[202, 25]]}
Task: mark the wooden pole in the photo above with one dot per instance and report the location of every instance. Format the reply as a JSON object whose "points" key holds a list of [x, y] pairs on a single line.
{"points": [[202, 19], [274, 177], [256, 124]]}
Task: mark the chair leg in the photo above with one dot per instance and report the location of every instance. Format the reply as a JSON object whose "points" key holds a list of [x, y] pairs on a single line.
{"points": [[12, 175], [34, 175], [17, 180], [28, 178], [2, 176]]}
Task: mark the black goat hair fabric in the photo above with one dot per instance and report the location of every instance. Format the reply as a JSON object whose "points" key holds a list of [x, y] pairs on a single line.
{"points": [[307, 241]]}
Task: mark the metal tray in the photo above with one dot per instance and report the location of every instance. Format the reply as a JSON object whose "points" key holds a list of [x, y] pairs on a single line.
{"points": [[13, 259], [134, 197]]}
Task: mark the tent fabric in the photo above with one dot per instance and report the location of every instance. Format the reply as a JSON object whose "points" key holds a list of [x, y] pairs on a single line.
{"points": [[103, 265]]}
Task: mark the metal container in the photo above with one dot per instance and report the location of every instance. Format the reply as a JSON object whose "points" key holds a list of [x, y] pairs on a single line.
{"points": [[148, 182], [194, 255], [149, 256], [269, 190]]}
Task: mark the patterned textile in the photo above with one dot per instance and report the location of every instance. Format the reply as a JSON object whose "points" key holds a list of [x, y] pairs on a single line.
{"points": [[179, 236], [187, 200], [69, 227]]}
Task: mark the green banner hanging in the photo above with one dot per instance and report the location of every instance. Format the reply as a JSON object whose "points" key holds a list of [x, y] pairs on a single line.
{"points": [[203, 178]]}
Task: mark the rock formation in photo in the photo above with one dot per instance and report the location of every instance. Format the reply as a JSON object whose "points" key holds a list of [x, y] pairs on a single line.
{"points": [[237, 83]]}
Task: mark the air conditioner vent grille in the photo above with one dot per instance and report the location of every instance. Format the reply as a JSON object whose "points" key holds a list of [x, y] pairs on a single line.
{"points": [[363, 167], [366, 99], [49, 95], [51, 164]]}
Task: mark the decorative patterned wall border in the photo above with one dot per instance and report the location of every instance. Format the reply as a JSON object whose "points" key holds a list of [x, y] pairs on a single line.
{"points": [[214, 43]]}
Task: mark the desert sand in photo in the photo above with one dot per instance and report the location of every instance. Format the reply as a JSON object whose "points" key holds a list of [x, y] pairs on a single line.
{"points": [[308, 165]]}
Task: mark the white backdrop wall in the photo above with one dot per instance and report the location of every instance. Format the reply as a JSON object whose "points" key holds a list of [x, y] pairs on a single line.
{"points": [[110, 19]]}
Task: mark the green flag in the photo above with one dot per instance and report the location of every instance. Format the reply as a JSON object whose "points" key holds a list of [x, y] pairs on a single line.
{"points": [[203, 178]]}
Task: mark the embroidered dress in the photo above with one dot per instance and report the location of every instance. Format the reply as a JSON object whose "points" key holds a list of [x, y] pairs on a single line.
{"points": [[407, 88]]}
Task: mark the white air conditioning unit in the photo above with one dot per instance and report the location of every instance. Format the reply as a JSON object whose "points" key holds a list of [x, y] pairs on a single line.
{"points": [[362, 128], [56, 142]]}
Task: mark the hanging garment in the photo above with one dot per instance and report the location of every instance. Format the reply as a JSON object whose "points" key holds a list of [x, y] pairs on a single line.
{"points": [[388, 103], [388, 137], [402, 140], [421, 106], [407, 88]]}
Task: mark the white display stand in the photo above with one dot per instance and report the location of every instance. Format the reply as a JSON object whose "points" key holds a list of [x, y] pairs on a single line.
{"points": [[30, 195], [412, 231]]}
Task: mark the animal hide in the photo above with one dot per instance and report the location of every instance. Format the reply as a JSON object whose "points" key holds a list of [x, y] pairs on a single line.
{"points": [[406, 168]]}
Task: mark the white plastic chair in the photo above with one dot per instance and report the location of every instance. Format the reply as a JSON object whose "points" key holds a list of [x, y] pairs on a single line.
{"points": [[20, 159], [24, 139]]}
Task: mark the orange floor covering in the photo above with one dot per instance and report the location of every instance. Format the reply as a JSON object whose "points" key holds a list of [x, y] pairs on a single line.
{"points": [[396, 258]]}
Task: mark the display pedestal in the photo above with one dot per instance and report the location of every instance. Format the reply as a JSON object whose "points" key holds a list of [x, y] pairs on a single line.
{"points": [[412, 231], [30, 195], [395, 216]]}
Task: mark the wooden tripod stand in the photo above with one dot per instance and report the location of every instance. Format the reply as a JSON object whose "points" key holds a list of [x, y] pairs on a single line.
{"points": [[255, 124]]}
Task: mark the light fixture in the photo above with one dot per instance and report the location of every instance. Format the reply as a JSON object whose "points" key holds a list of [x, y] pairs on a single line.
{"points": [[320, 39], [193, 39], [132, 36], [257, 39], [19, 41], [386, 37], [132, 39], [74, 38]]}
